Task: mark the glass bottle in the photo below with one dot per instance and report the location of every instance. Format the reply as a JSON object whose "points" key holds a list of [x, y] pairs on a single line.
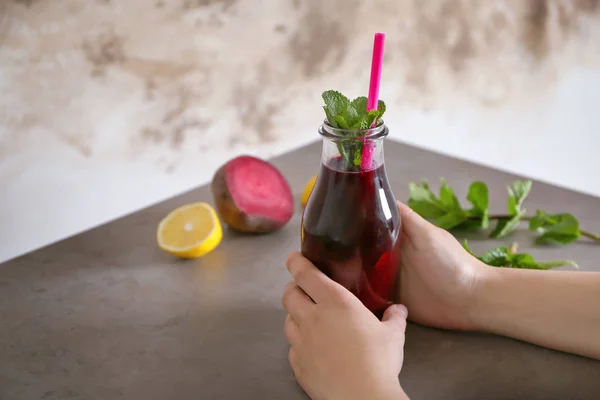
{"points": [[351, 222]]}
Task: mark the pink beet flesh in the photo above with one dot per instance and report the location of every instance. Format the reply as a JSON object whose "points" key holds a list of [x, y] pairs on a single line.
{"points": [[258, 188]]}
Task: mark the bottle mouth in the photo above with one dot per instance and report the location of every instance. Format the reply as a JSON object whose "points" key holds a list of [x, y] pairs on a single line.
{"points": [[330, 132]]}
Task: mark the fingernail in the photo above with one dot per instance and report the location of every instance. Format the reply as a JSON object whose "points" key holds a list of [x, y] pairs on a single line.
{"points": [[402, 308]]}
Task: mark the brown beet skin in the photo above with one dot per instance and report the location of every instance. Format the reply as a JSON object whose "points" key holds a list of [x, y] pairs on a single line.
{"points": [[251, 195]]}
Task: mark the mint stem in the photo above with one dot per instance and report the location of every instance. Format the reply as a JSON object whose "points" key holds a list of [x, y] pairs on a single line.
{"points": [[503, 216], [590, 235], [343, 153], [593, 236]]}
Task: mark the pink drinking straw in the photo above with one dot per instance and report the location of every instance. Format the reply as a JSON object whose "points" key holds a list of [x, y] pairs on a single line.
{"points": [[367, 153]]}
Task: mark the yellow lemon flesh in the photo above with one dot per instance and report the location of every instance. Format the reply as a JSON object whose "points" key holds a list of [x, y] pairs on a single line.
{"points": [[190, 231], [308, 190]]}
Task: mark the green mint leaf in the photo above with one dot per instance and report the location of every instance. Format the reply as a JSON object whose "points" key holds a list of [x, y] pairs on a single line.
{"points": [[505, 258], [555, 229], [351, 116], [506, 226], [444, 212], [447, 197], [357, 154], [360, 105], [330, 117], [466, 247], [470, 225], [358, 125], [541, 219], [478, 195], [341, 122], [497, 257], [425, 184], [522, 260], [558, 238], [450, 220], [342, 113], [554, 264], [381, 108], [342, 146], [365, 119], [336, 105], [526, 261], [369, 119], [423, 201], [516, 195]]}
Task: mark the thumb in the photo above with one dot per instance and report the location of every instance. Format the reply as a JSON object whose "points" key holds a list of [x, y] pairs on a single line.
{"points": [[412, 223], [395, 318]]}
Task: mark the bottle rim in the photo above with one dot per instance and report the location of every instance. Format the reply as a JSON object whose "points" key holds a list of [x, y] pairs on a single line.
{"points": [[330, 132]]}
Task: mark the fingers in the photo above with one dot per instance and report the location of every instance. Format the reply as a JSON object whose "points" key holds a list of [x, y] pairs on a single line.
{"points": [[291, 331], [412, 223], [296, 302], [292, 358], [295, 364], [314, 282], [395, 318]]}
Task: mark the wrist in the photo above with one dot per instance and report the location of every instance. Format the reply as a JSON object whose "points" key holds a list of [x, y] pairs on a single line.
{"points": [[393, 392], [402, 395], [479, 305], [488, 283], [378, 389]]}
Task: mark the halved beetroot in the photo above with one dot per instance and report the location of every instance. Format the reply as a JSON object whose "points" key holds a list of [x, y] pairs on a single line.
{"points": [[251, 195]]}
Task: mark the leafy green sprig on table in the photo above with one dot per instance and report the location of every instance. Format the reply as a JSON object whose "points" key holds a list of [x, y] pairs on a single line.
{"points": [[446, 212], [350, 115], [509, 258]]}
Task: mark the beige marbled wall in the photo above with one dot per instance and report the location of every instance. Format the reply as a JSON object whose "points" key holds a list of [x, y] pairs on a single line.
{"points": [[151, 89], [177, 72]]}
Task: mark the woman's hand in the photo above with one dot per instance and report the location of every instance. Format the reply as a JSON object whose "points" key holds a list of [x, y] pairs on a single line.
{"points": [[339, 349], [438, 278], [445, 287]]}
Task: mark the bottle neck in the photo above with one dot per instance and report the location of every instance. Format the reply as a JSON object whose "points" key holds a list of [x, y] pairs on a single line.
{"points": [[353, 150], [352, 155]]}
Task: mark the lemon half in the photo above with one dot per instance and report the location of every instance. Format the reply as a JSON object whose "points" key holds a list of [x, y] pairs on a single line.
{"points": [[190, 231], [308, 188]]}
